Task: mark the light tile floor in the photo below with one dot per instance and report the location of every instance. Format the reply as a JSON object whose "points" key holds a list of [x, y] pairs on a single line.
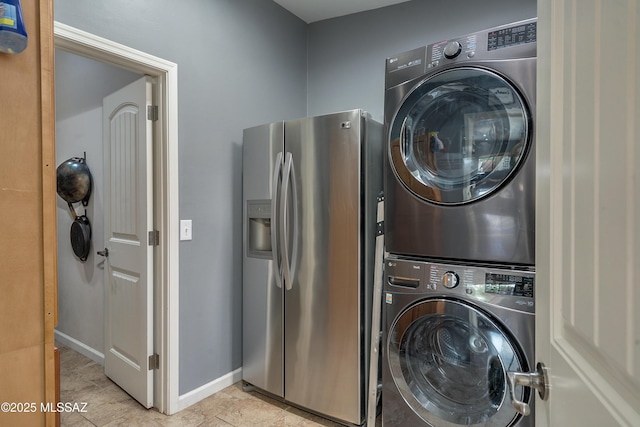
{"points": [[83, 380]]}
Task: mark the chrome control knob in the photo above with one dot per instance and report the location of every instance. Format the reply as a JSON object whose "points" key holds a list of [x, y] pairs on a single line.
{"points": [[450, 280], [452, 49]]}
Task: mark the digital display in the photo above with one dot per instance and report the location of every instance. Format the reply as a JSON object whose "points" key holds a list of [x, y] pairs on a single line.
{"points": [[512, 36], [508, 284]]}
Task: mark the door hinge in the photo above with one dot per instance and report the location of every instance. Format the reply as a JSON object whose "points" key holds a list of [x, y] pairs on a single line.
{"points": [[154, 238], [154, 362], [152, 112]]}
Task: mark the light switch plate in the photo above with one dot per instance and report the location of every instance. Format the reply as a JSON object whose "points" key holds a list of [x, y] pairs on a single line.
{"points": [[185, 229]]}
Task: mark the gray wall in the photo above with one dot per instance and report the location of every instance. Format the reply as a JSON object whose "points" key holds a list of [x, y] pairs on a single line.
{"points": [[243, 63], [240, 63], [81, 84], [347, 54]]}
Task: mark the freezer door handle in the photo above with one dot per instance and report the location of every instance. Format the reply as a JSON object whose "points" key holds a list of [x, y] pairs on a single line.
{"points": [[275, 199], [296, 223], [289, 267]]}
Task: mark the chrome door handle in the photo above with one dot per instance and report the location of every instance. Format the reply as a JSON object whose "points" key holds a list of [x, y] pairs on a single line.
{"points": [[296, 224], [284, 221], [104, 253], [537, 380], [275, 196]]}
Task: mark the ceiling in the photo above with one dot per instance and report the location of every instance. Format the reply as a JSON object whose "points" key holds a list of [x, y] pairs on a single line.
{"points": [[317, 10]]}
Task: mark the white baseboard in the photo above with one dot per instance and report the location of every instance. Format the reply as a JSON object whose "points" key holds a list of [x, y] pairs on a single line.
{"points": [[206, 390], [80, 347], [185, 400]]}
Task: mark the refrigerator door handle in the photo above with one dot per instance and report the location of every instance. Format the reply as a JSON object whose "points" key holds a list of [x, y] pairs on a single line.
{"points": [[276, 196], [288, 175], [296, 224]]}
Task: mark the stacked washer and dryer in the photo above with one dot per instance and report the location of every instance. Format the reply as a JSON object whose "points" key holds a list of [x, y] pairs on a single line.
{"points": [[459, 231]]}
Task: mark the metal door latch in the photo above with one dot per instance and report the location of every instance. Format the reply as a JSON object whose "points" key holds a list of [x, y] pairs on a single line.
{"points": [[104, 253]]}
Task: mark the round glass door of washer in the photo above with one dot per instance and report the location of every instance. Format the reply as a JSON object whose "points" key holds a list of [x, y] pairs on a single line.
{"points": [[459, 135], [450, 362]]}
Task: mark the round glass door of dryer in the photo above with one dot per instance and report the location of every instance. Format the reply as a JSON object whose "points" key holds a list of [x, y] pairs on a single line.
{"points": [[449, 362], [459, 135]]}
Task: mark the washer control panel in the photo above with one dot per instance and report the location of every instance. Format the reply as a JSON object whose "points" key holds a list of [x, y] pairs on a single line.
{"points": [[508, 284], [512, 287]]}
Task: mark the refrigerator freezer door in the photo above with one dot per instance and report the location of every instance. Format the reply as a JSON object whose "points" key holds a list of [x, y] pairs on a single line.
{"points": [[262, 337], [323, 340]]}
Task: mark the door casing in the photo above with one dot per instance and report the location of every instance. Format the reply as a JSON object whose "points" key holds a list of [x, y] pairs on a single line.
{"points": [[166, 208]]}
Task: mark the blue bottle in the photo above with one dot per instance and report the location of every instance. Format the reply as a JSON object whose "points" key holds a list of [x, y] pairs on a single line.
{"points": [[13, 36]]}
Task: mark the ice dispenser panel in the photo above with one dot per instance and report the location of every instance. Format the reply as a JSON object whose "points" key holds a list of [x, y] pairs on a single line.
{"points": [[259, 228]]}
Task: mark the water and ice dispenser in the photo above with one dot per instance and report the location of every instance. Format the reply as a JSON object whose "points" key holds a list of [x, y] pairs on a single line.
{"points": [[259, 228]]}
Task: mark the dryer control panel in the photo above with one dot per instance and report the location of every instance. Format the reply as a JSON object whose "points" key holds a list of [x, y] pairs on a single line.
{"points": [[512, 36], [520, 37]]}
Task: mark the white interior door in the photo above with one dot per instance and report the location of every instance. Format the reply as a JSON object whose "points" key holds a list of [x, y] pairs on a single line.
{"points": [[128, 215], [588, 210]]}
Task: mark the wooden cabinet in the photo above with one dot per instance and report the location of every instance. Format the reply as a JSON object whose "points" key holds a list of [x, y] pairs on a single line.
{"points": [[27, 223]]}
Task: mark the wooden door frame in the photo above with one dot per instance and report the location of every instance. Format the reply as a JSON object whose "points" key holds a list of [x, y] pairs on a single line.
{"points": [[166, 208]]}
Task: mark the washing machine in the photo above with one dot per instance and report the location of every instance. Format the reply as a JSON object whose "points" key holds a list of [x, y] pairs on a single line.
{"points": [[460, 175], [453, 336]]}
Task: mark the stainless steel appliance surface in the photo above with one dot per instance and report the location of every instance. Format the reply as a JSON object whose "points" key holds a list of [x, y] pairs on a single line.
{"points": [[459, 123], [452, 334], [309, 191]]}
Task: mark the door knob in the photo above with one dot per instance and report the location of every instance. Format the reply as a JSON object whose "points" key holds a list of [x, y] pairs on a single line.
{"points": [[104, 253], [538, 380]]}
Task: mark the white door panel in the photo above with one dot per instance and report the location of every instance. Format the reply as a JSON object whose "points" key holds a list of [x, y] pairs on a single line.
{"points": [[128, 219], [588, 205]]}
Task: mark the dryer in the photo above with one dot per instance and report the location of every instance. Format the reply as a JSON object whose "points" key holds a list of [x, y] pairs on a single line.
{"points": [[460, 175], [453, 333]]}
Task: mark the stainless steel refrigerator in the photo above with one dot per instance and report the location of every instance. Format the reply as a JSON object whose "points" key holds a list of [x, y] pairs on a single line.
{"points": [[309, 193]]}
